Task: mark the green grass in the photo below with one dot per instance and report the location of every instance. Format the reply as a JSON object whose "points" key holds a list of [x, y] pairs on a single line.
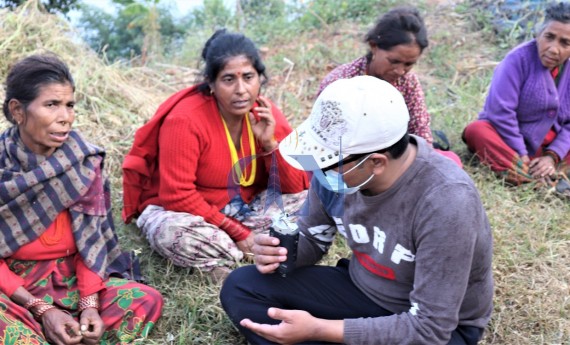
{"points": [[531, 228]]}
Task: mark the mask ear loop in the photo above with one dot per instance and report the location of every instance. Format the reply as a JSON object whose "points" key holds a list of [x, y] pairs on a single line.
{"points": [[357, 165]]}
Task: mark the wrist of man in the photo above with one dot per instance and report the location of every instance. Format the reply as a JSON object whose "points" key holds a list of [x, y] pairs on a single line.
{"points": [[329, 330]]}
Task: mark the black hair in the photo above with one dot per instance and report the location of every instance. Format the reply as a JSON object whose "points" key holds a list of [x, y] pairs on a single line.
{"points": [[28, 75], [221, 47], [397, 150], [400, 25]]}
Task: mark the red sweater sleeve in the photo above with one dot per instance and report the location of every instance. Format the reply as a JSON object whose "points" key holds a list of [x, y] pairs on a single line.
{"points": [[9, 281], [195, 163], [180, 143]]}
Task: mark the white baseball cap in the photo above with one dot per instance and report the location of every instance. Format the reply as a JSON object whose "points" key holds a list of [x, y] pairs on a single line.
{"points": [[351, 116]]}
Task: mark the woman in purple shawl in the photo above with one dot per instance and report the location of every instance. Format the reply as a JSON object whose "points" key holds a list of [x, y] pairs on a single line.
{"points": [[63, 277]]}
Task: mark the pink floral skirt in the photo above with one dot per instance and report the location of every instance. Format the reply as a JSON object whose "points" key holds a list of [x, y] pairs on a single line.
{"points": [[189, 241], [128, 309]]}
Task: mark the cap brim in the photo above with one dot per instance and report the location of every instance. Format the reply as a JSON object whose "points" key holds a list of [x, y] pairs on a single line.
{"points": [[302, 150]]}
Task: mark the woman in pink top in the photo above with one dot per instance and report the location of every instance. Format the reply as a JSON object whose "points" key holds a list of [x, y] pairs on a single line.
{"points": [[396, 43]]}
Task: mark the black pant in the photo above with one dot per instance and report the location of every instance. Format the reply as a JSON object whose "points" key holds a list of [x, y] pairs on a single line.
{"points": [[323, 291]]}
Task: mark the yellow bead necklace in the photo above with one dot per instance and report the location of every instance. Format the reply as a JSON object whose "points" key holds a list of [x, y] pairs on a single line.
{"points": [[237, 174]]}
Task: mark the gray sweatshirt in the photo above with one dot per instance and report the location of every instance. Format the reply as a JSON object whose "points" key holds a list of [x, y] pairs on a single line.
{"points": [[422, 249]]}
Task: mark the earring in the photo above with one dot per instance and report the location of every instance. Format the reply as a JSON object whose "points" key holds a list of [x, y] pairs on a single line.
{"points": [[373, 56], [211, 92]]}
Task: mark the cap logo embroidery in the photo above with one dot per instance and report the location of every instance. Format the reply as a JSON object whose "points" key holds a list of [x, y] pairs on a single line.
{"points": [[330, 126]]}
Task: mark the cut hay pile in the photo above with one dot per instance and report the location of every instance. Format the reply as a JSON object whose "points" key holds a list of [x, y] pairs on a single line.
{"points": [[112, 100]]}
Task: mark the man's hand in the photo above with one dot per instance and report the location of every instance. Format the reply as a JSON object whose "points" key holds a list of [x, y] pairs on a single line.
{"points": [[92, 326], [297, 326], [268, 255], [60, 328]]}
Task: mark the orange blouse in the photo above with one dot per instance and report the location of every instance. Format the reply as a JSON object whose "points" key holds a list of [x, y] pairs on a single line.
{"points": [[56, 242]]}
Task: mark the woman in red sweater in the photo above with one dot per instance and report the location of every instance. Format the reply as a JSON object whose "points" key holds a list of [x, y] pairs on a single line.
{"points": [[205, 172], [61, 269]]}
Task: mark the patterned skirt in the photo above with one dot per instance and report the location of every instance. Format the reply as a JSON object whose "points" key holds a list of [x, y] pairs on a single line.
{"points": [[129, 310], [189, 241]]}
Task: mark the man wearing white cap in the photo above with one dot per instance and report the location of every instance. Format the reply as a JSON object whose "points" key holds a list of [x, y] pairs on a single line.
{"points": [[420, 271]]}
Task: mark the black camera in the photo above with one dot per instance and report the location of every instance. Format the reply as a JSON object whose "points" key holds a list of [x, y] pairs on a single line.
{"points": [[287, 232]]}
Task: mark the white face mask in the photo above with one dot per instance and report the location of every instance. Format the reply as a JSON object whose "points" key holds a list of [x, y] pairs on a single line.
{"points": [[336, 181]]}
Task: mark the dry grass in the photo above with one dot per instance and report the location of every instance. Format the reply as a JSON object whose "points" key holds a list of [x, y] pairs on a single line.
{"points": [[531, 230], [113, 101]]}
